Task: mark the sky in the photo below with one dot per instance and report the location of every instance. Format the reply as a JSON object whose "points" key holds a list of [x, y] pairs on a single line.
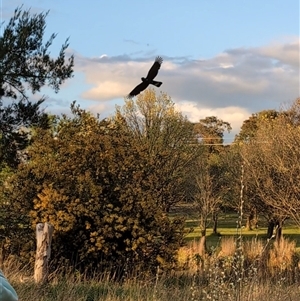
{"points": [[224, 58]]}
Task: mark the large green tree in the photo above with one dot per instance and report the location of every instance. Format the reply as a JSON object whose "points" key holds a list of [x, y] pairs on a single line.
{"points": [[26, 65]]}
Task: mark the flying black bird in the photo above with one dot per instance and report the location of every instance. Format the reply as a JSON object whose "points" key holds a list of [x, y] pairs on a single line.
{"points": [[149, 79]]}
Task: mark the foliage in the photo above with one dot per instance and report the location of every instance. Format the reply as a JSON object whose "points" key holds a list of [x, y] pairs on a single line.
{"points": [[168, 140], [207, 177], [94, 184], [210, 131], [250, 125], [26, 65], [233, 161], [16, 122], [24, 59], [252, 133], [272, 160]]}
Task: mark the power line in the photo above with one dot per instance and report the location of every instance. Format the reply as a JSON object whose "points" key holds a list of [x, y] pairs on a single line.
{"points": [[213, 138], [219, 144], [237, 142]]}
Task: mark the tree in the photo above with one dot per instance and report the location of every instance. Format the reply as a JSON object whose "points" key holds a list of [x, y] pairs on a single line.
{"points": [[91, 182], [272, 161], [26, 65], [168, 140], [250, 126], [205, 196], [210, 131], [208, 174], [252, 202]]}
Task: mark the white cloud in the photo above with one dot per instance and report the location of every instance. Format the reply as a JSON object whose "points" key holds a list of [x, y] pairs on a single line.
{"points": [[234, 115], [107, 90], [286, 53], [231, 86], [104, 109]]}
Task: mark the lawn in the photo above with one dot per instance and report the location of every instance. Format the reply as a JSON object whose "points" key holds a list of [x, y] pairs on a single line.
{"points": [[227, 226]]}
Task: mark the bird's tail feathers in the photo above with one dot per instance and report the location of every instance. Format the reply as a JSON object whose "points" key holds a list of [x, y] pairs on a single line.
{"points": [[156, 83]]}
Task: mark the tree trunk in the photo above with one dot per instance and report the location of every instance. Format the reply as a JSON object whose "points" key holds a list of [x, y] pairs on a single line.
{"points": [[278, 231], [255, 219], [215, 222], [249, 222], [271, 226], [202, 243]]}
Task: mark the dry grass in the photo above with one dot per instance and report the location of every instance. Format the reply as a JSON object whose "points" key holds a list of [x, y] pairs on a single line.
{"points": [[227, 246], [271, 255], [209, 283], [270, 273], [282, 255], [254, 248], [163, 291]]}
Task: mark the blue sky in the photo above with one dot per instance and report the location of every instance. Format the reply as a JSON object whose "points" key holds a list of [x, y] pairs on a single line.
{"points": [[227, 58]]}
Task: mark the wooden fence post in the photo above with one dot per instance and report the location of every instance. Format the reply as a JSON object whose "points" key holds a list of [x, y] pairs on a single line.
{"points": [[44, 237]]}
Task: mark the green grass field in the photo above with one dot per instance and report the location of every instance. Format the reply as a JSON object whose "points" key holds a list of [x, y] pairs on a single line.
{"points": [[227, 226]]}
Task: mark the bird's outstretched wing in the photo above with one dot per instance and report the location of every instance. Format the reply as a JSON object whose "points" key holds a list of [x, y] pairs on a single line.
{"points": [[154, 69], [149, 79], [138, 89]]}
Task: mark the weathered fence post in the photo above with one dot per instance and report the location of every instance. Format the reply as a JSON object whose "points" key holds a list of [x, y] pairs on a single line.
{"points": [[44, 236]]}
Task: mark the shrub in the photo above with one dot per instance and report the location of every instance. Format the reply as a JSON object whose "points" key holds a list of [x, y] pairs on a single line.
{"points": [[95, 186]]}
